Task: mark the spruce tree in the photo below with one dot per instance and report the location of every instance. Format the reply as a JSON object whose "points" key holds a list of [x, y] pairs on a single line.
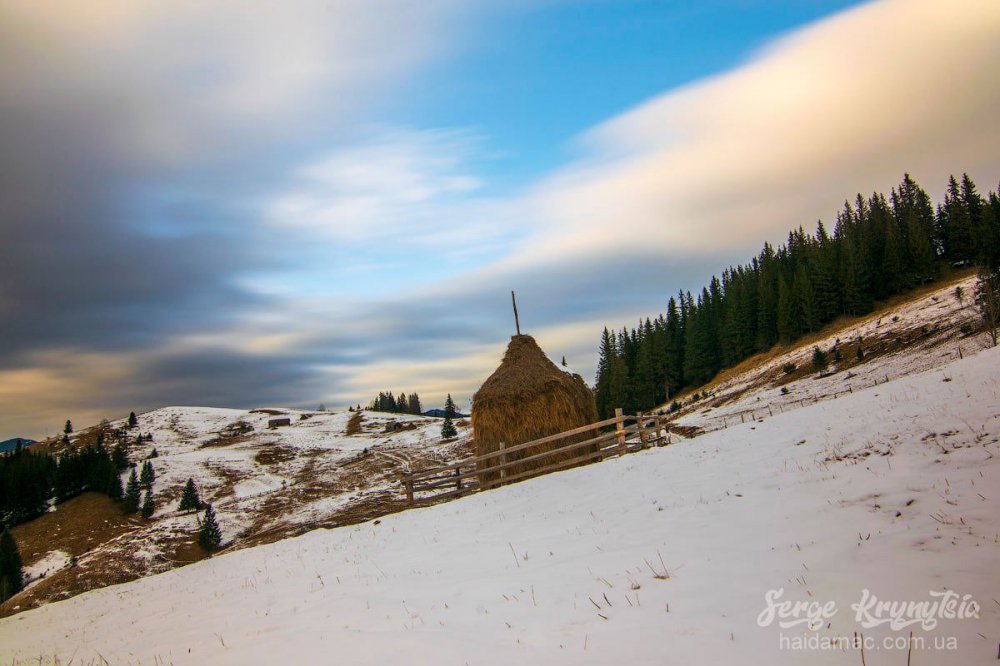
{"points": [[11, 576], [787, 326], [602, 382], [114, 484], [448, 429], [147, 504], [819, 359], [130, 502], [189, 498], [148, 475], [68, 428], [210, 536], [119, 456], [133, 421]]}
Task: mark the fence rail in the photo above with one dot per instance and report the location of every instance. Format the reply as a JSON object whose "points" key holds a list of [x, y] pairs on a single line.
{"points": [[630, 434]]}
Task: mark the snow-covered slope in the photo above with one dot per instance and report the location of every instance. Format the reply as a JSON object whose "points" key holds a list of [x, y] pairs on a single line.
{"points": [[918, 334], [264, 483], [661, 557]]}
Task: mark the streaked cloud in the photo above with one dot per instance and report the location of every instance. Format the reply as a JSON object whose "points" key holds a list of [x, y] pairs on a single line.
{"points": [[230, 232]]}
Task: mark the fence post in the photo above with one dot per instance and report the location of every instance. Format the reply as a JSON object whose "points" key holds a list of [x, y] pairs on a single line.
{"points": [[458, 478], [408, 482], [620, 429], [640, 422], [503, 464], [659, 431]]}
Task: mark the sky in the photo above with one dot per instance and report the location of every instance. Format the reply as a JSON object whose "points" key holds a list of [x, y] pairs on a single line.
{"points": [[301, 203]]}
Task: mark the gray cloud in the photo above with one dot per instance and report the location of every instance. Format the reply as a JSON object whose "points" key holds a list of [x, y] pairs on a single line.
{"points": [[135, 139], [174, 206]]}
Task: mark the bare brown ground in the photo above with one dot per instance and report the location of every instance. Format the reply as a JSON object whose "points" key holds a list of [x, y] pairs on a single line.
{"points": [[77, 526]]}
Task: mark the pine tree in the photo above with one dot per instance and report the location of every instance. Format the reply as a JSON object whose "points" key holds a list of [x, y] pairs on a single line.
{"points": [[119, 456], [805, 300], [819, 359], [11, 575], [787, 326], [114, 484], [564, 363], [130, 502], [189, 498], [148, 475], [133, 421], [210, 536], [147, 504], [448, 429], [68, 428], [605, 358]]}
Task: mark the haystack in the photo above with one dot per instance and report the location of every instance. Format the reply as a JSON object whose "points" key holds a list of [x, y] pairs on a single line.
{"points": [[526, 398]]}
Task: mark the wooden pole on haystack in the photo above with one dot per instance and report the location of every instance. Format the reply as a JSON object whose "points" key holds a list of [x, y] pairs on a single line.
{"points": [[517, 322]]}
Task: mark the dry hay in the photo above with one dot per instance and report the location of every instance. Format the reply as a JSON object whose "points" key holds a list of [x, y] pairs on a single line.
{"points": [[526, 398], [354, 424]]}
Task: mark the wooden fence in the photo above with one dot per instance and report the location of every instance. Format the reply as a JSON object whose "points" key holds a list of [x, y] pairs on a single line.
{"points": [[629, 434]]}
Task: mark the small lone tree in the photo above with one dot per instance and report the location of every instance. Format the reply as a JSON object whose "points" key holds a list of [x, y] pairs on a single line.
{"points": [[68, 428], [448, 429], [133, 421], [210, 536], [148, 475], [820, 361], [147, 505], [189, 498], [130, 503], [11, 576], [154, 454], [564, 364]]}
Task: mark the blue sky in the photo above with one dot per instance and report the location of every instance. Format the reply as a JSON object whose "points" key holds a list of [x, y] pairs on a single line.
{"points": [[309, 202], [533, 78]]}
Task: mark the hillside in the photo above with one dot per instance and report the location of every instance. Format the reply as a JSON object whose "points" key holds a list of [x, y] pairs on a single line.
{"points": [[664, 556], [925, 330], [265, 484]]}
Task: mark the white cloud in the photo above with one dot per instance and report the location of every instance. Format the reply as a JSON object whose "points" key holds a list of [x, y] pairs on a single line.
{"points": [[845, 105], [399, 188]]}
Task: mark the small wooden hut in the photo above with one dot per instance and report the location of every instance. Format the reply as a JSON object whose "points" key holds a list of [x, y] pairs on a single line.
{"points": [[529, 397]]}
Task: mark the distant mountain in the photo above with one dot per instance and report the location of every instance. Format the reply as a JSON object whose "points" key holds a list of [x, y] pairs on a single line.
{"points": [[11, 444], [439, 414]]}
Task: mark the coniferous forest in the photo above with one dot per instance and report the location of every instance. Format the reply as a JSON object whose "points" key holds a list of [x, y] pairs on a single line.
{"points": [[29, 480], [880, 246], [401, 404]]}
